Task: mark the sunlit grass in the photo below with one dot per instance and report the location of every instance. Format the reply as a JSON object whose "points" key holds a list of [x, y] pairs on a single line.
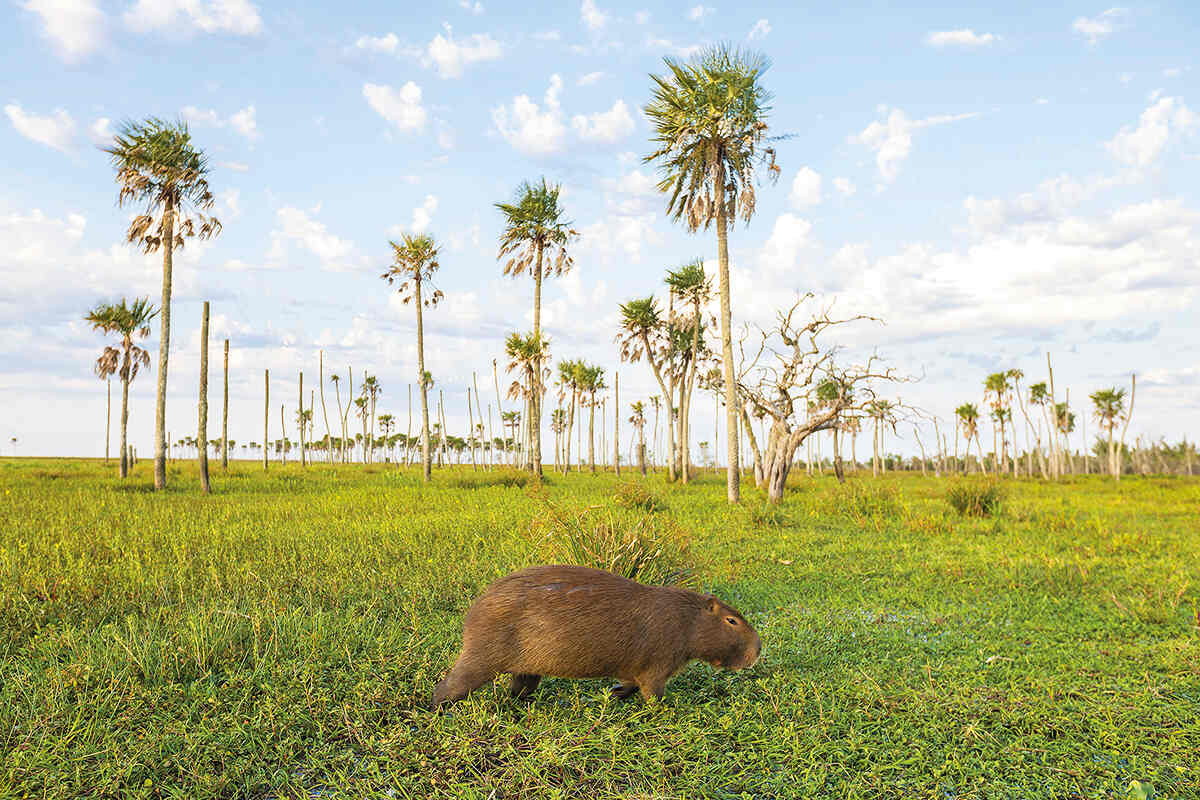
{"points": [[282, 637]]}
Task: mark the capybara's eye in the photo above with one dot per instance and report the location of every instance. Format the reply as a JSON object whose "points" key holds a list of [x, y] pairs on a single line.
{"points": [[731, 620]]}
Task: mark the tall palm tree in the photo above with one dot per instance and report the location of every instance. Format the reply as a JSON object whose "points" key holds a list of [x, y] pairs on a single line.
{"points": [[129, 322], [591, 380], [644, 335], [371, 390], [157, 165], [534, 227], [1109, 411], [526, 354], [968, 420], [708, 117], [567, 381], [414, 261], [693, 287], [638, 420]]}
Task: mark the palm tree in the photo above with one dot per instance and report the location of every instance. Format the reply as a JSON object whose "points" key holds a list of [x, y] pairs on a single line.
{"points": [[533, 225], [591, 380], [415, 260], [638, 420], [526, 354], [1109, 411], [997, 387], [128, 322], [968, 420], [692, 286], [386, 422], [371, 390], [644, 334], [567, 381], [156, 164], [708, 117]]}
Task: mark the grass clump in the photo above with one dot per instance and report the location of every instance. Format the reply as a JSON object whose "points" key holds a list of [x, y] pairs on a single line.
{"points": [[506, 478], [767, 515], [975, 499], [634, 495], [633, 543]]}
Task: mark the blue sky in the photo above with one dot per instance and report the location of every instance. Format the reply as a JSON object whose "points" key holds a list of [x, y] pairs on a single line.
{"points": [[994, 184]]}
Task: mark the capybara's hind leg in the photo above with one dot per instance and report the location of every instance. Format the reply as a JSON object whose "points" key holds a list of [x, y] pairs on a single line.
{"points": [[463, 678], [624, 690], [523, 685]]}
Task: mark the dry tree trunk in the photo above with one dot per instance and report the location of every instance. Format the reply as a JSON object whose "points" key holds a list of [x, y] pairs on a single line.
{"points": [[225, 414], [202, 433], [266, 416], [164, 348]]}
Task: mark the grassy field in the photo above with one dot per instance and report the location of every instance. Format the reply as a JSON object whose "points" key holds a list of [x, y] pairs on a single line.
{"points": [[281, 639]]}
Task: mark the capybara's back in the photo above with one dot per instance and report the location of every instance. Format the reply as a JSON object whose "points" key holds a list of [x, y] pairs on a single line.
{"points": [[578, 622]]}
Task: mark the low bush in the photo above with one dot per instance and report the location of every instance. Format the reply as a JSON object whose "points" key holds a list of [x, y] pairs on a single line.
{"points": [[634, 495], [975, 499]]}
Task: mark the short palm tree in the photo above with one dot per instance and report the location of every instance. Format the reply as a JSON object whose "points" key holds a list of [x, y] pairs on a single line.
{"points": [[968, 420], [591, 380], [414, 261], [643, 334], [708, 118], [535, 227], [129, 322], [526, 354], [1109, 411], [638, 420], [693, 287], [158, 166]]}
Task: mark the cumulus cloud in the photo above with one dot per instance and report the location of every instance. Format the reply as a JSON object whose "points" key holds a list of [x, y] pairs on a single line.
{"points": [[891, 138], [605, 127], [761, 30], [534, 130], [963, 37], [475, 8], [388, 43], [243, 122], [1142, 145], [844, 186], [400, 107], [697, 13], [618, 237], [806, 188], [789, 237], [239, 17], [593, 18], [74, 27], [1100, 26], [101, 132], [294, 226], [680, 50], [55, 130], [589, 79], [451, 56]]}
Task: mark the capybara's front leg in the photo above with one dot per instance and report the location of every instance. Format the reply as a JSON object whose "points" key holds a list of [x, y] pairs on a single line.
{"points": [[624, 690], [523, 685], [464, 677]]}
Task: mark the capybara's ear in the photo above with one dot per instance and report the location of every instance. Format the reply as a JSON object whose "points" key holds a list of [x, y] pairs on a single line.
{"points": [[714, 605]]}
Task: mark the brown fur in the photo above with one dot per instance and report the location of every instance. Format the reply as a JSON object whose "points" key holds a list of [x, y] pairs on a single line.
{"points": [[577, 622]]}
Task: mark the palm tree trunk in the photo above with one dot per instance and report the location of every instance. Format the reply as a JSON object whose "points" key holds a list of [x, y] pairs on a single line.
{"points": [[426, 463], [266, 416], [592, 432], [300, 419], [107, 418], [324, 410], [202, 434], [1125, 427], [733, 472], [125, 419], [570, 430], [875, 451], [617, 423], [164, 349], [225, 413], [283, 442], [535, 398]]}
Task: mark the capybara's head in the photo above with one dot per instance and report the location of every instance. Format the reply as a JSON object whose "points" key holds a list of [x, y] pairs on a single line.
{"points": [[723, 638]]}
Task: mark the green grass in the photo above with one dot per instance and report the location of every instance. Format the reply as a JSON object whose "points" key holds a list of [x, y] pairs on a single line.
{"points": [[281, 639]]}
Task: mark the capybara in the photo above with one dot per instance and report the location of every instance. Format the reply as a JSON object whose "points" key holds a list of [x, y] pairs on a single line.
{"points": [[578, 622]]}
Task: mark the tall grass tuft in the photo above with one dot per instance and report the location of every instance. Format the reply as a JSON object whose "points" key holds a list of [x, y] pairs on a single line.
{"points": [[633, 543], [634, 495], [972, 499], [508, 478]]}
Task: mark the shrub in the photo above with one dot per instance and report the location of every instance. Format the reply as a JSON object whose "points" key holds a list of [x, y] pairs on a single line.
{"points": [[634, 495], [633, 543], [975, 499]]}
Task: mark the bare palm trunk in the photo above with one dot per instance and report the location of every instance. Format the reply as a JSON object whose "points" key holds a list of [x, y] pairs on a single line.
{"points": [[1117, 468], [570, 430], [266, 416], [300, 420], [979, 448], [733, 472], [125, 465], [592, 432], [617, 423], [324, 410], [283, 442], [426, 462], [225, 413], [408, 430], [107, 418], [202, 434], [164, 348]]}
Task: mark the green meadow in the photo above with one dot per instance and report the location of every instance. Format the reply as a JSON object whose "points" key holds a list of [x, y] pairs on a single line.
{"points": [[281, 638]]}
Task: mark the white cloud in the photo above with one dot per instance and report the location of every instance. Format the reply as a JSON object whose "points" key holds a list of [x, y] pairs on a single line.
{"points": [[475, 8], [231, 202], [1096, 28], [388, 43], [844, 186], [101, 132], [788, 238], [243, 122], [1140, 146], [74, 27], [451, 56], [236, 166], [891, 139], [401, 108], [547, 36], [293, 225], [680, 50], [592, 17], [641, 17], [761, 30], [238, 17], [55, 130], [534, 130], [619, 237], [806, 188], [697, 13], [590, 78], [604, 126], [962, 37], [422, 215]]}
